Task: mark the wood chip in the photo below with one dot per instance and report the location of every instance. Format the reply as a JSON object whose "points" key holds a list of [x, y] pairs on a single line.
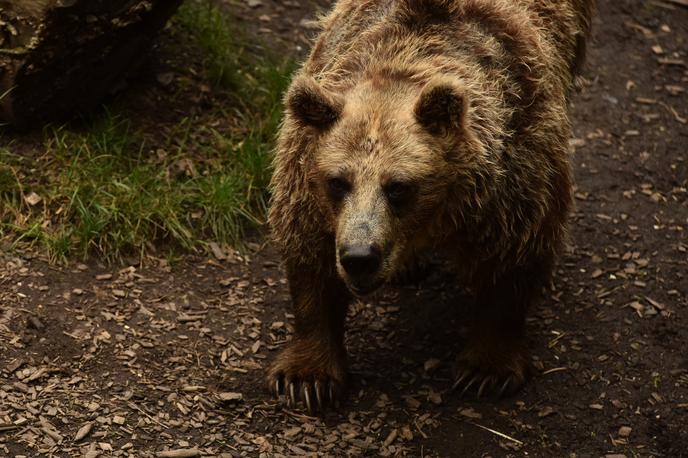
{"points": [[230, 397], [179, 453], [83, 431], [391, 437], [655, 304], [435, 398], [469, 412], [52, 433], [33, 199], [291, 433], [431, 365], [545, 412], [218, 252]]}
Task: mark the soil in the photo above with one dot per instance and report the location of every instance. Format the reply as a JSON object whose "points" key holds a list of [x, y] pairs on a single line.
{"points": [[136, 360]]}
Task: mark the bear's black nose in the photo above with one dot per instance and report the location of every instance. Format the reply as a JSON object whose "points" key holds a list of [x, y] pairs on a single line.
{"points": [[360, 260]]}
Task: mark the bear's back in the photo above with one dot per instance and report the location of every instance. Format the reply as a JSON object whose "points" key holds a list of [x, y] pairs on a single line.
{"points": [[360, 35]]}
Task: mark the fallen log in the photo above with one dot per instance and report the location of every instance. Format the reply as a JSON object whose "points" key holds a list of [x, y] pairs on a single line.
{"points": [[58, 57]]}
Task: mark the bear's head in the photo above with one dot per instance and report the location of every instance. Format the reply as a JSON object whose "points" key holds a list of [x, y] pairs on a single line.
{"points": [[388, 157]]}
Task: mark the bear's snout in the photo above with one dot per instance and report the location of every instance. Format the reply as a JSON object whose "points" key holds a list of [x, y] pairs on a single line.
{"points": [[361, 263], [360, 260]]}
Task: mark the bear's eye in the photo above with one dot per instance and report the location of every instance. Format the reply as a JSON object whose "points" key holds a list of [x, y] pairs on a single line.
{"points": [[338, 187], [399, 193]]}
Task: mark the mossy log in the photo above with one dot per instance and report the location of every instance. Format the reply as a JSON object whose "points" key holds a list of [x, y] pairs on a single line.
{"points": [[58, 57]]}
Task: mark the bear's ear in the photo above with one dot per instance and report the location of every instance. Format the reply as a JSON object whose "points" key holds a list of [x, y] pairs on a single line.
{"points": [[441, 107], [312, 105]]}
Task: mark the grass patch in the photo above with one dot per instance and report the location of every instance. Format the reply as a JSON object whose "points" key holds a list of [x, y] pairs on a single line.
{"points": [[110, 188]]}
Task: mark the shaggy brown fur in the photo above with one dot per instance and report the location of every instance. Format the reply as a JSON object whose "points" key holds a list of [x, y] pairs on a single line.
{"points": [[426, 123]]}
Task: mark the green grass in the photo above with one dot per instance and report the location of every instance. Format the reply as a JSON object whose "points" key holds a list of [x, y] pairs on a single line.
{"points": [[111, 189]]}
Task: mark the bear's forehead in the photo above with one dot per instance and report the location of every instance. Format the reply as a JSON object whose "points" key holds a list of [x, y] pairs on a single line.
{"points": [[370, 135], [371, 154], [363, 148]]}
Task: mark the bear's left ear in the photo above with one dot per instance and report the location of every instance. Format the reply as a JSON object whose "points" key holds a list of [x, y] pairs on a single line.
{"points": [[312, 105], [442, 107]]}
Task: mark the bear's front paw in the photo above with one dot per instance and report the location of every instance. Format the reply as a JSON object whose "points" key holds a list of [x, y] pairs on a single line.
{"points": [[311, 371], [494, 371]]}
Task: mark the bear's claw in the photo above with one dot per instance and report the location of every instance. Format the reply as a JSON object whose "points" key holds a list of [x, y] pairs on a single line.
{"points": [[309, 371], [314, 396], [482, 384], [492, 373]]}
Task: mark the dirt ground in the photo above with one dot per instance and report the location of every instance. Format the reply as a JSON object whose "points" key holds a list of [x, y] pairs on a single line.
{"points": [[136, 360]]}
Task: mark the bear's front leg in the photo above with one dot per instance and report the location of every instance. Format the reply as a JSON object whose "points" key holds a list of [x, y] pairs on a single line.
{"points": [[312, 367], [496, 360]]}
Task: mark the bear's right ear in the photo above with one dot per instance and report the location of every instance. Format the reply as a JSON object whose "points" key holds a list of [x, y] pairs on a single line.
{"points": [[312, 105], [441, 107]]}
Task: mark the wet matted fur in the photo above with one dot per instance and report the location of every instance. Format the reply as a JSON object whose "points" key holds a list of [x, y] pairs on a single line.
{"points": [[426, 124]]}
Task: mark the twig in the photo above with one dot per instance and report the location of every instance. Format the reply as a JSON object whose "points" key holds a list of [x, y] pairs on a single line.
{"points": [[502, 435], [555, 369], [425, 436], [554, 341], [671, 110], [150, 417], [298, 415], [9, 427]]}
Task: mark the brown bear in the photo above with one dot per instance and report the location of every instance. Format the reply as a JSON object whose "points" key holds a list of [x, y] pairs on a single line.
{"points": [[425, 124]]}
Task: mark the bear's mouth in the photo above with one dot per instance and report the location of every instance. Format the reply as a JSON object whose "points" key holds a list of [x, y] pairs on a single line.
{"points": [[364, 288]]}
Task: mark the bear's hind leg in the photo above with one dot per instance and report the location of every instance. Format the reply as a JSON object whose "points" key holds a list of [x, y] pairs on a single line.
{"points": [[496, 360], [312, 366]]}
